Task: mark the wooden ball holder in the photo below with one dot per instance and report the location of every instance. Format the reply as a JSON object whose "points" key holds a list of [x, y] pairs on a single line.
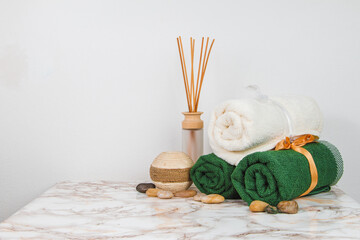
{"points": [[171, 171]]}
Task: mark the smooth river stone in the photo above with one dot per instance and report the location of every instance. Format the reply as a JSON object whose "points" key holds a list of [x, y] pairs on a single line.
{"points": [[271, 209], [164, 194], [152, 192], [185, 193], [290, 207], [258, 206], [199, 196], [143, 187], [212, 199]]}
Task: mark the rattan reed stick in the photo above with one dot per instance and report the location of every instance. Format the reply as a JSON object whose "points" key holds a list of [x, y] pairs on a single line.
{"points": [[192, 91], [182, 67], [198, 75], [203, 75], [186, 76]]}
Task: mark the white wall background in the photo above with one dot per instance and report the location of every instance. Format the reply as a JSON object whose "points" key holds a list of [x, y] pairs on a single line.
{"points": [[93, 89]]}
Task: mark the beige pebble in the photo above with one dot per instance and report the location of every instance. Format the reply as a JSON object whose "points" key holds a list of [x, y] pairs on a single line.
{"points": [[290, 207], [213, 198], [258, 206], [185, 193], [199, 196], [164, 194], [152, 192]]}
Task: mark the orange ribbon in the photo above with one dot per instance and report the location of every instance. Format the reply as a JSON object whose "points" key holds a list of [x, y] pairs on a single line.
{"points": [[296, 145]]}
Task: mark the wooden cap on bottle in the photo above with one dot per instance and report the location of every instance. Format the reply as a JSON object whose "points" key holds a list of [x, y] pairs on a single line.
{"points": [[192, 120]]}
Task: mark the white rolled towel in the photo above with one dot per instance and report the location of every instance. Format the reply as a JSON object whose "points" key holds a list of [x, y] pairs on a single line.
{"points": [[240, 127]]}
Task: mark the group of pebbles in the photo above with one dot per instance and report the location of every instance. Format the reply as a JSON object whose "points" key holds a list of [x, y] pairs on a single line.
{"points": [[290, 207], [150, 189]]}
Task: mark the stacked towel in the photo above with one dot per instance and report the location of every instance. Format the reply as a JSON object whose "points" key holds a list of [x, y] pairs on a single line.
{"points": [[243, 133], [240, 127], [274, 176], [211, 174]]}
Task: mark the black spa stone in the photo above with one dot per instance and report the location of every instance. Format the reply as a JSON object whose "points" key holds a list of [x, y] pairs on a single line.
{"points": [[142, 187]]}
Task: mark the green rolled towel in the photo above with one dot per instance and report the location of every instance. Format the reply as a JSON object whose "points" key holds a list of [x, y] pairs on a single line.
{"points": [[211, 174], [274, 176]]}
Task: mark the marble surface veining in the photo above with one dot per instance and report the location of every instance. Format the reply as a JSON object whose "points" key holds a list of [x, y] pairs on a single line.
{"points": [[114, 210]]}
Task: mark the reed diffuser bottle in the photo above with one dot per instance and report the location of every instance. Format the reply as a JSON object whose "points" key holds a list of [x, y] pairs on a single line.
{"points": [[192, 126], [193, 135]]}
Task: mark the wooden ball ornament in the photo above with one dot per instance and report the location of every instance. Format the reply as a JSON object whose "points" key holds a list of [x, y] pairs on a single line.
{"points": [[171, 171]]}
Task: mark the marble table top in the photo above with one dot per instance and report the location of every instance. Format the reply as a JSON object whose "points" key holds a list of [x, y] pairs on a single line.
{"points": [[114, 210]]}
